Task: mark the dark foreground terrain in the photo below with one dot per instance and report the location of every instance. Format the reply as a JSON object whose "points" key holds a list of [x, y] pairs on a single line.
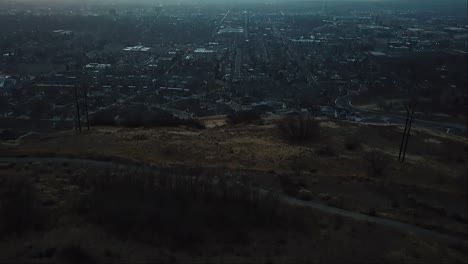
{"points": [[81, 198]]}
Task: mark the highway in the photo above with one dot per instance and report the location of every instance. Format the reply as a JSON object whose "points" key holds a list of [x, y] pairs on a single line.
{"points": [[344, 102]]}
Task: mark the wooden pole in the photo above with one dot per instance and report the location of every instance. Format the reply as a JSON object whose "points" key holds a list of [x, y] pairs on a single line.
{"points": [[77, 109], [466, 146], [85, 92], [404, 133], [407, 136]]}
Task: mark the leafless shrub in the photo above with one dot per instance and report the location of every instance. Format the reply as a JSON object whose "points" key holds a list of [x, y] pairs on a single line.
{"points": [[18, 209], [288, 184], [299, 127], [352, 143], [326, 151], [75, 254], [181, 208], [168, 151], [133, 118], [305, 194], [377, 163], [140, 137], [244, 116]]}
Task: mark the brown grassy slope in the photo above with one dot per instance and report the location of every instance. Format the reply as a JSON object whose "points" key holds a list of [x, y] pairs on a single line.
{"points": [[434, 161], [434, 167]]}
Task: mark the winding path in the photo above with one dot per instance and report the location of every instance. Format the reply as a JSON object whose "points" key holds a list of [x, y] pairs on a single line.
{"points": [[146, 167]]}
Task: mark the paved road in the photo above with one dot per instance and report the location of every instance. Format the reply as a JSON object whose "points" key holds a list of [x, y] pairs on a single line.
{"points": [[193, 96], [344, 102], [293, 54], [215, 31], [238, 62], [179, 113], [107, 107], [144, 168]]}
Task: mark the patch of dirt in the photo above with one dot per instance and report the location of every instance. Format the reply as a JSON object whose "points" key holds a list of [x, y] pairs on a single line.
{"points": [[433, 141], [329, 124]]}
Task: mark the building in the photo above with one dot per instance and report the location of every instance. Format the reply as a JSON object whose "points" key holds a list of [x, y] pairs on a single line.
{"points": [[138, 48]]}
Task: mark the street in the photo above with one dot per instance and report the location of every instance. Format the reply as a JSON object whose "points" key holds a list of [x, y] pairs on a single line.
{"points": [[368, 116]]}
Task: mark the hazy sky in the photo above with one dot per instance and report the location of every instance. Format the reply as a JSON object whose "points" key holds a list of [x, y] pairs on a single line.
{"points": [[422, 3], [233, 1]]}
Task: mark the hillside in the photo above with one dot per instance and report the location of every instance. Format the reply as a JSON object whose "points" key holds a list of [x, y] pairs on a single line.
{"points": [[335, 168]]}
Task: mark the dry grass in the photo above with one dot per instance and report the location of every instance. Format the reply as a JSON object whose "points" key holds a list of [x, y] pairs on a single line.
{"points": [[260, 148]]}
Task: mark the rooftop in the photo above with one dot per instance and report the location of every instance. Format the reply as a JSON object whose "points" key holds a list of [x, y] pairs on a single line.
{"points": [[137, 48]]}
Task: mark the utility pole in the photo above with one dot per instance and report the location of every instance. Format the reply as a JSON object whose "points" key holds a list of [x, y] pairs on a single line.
{"points": [[77, 109], [85, 92], [466, 147], [407, 136], [406, 133]]}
